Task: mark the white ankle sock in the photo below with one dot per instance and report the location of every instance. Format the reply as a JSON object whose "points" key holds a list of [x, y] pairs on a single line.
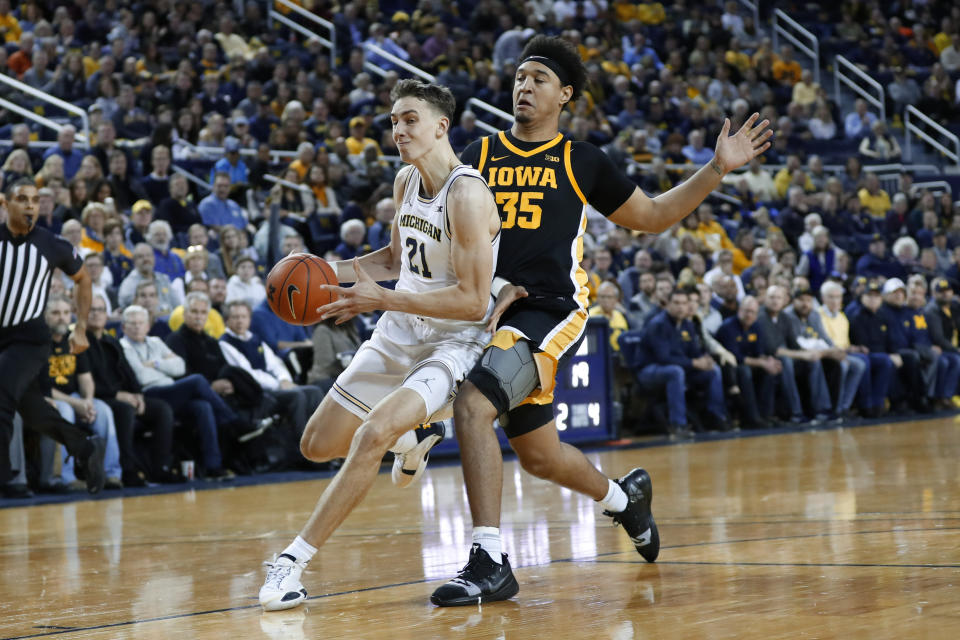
{"points": [[300, 550], [616, 500], [489, 540], [405, 442]]}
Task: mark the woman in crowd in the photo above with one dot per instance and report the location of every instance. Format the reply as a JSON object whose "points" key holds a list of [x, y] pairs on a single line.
{"points": [[93, 218], [16, 166], [52, 169]]}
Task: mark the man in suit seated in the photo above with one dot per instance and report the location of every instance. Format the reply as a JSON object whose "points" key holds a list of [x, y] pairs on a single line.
{"points": [[757, 371], [869, 329], [915, 384], [676, 359]]}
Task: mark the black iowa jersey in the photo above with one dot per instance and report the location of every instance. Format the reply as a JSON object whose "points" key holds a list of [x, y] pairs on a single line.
{"points": [[541, 189]]}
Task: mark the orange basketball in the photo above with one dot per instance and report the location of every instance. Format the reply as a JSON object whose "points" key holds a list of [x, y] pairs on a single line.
{"points": [[293, 288]]}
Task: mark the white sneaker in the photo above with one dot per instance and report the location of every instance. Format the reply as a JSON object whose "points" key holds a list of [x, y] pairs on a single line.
{"points": [[409, 466], [282, 588]]}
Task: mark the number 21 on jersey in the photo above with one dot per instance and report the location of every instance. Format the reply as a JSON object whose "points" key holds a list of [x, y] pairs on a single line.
{"points": [[418, 247]]}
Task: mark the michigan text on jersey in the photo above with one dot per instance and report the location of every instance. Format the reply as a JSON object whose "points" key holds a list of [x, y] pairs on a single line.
{"points": [[421, 225]]}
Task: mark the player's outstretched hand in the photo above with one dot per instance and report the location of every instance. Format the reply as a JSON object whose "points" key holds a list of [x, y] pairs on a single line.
{"points": [[508, 295], [747, 143], [365, 295]]}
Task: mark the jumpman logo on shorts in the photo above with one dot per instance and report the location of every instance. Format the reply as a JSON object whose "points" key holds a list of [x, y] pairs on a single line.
{"points": [[426, 382]]}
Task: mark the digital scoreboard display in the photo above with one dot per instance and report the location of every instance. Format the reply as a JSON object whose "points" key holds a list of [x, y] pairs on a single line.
{"points": [[583, 397]]}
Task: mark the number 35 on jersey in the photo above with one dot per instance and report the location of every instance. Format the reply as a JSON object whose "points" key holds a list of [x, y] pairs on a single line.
{"points": [[521, 208]]}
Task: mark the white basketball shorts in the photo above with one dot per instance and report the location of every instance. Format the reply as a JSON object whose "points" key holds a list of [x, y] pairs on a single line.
{"points": [[381, 366]]}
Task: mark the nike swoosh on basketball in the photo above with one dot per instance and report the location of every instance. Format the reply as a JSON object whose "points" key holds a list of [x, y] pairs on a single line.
{"points": [[493, 159], [291, 289]]}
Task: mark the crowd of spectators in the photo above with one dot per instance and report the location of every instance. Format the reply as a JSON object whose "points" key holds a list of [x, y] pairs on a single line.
{"points": [[237, 102]]}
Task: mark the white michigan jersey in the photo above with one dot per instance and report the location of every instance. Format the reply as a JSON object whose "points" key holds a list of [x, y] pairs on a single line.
{"points": [[426, 245]]}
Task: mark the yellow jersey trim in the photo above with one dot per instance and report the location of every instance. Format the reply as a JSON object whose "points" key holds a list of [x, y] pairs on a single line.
{"points": [[526, 154], [566, 163], [484, 149]]}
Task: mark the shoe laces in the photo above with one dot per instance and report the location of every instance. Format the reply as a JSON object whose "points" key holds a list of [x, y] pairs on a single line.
{"points": [[277, 572], [468, 572], [617, 521]]}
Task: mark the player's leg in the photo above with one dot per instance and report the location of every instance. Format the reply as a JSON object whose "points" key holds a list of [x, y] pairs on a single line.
{"points": [[503, 377], [329, 431], [541, 453], [480, 457], [396, 414], [412, 450]]}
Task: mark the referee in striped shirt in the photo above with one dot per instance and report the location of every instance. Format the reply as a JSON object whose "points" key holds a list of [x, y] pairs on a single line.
{"points": [[28, 256]]}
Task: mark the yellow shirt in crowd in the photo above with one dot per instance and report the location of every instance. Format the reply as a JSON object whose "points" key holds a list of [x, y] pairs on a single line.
{"points": [[617, 321], [877, 205], [837, 328], [10, 27], [355, 147], [713, 236], [214, 327], [783, 179]]}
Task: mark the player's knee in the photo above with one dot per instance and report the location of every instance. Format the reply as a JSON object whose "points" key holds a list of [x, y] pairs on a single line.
{"points": [[317, 446], [537, 463], [472, 405], [374, 437], [312, 448]]}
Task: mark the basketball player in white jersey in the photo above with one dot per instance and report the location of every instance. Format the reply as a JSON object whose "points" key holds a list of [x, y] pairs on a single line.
{"points": [[442, 251]]}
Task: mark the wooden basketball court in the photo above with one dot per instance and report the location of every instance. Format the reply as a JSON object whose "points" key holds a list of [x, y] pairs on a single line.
{"points": [[824, 534]]}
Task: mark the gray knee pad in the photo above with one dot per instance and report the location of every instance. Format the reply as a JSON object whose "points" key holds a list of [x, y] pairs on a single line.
{"points": [[506, 377]]}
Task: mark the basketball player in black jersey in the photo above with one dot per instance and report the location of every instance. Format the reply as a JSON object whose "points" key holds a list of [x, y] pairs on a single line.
{"points": [[542, 180], [28, 256]]}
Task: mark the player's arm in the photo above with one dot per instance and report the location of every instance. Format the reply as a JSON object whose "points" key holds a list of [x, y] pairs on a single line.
{"points": [[474, 222], [84, 295], [658, 214], [384, 263]]}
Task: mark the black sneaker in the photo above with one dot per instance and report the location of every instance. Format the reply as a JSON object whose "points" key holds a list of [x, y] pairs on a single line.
{"points": [[637, 519], [93, 464], [481, 580]]}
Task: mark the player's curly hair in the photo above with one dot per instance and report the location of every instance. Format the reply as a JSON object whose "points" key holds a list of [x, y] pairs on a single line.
{"points": [[564, 53], [437, 96]]}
